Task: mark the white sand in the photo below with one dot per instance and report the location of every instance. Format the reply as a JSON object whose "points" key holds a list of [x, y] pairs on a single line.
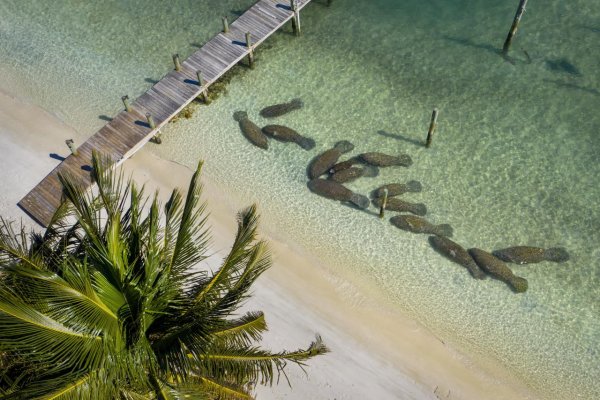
{"points": [[376, 353]]}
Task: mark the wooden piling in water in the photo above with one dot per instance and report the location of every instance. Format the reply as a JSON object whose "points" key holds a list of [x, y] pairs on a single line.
{"points": [[177, 62], [71, 144], [203, 94], [296, 18], [125, 100], [383, 203], [251, 50], [225, 24], [514, 27], [432, 126]]}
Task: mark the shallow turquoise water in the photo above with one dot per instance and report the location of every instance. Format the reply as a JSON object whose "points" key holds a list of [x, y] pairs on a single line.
{"points": [[514, 161]]}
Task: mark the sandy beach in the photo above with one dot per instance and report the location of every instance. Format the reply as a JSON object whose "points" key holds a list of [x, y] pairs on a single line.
{"points": [[376, 351]]}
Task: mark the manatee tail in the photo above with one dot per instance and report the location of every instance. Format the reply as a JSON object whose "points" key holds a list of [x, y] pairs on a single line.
{"points": [[518, 284], [297, 103], [240, 115], [414, 186], [306, 143], [370, 171], [444, 230], [556, 254], [405, 160], [359, 200], [419, 209]]}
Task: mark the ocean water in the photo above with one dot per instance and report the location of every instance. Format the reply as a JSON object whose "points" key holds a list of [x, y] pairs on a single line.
{"points": [[515, 158]]}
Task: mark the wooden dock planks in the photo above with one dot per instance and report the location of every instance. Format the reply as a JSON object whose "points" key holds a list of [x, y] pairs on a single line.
{"points": [[129, 131]]}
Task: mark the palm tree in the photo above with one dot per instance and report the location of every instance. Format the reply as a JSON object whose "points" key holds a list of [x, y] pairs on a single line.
{"points": [[106, 304]]}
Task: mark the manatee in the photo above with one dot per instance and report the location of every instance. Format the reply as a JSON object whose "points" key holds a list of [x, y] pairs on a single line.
{"points": [[385, 160], [250, 130], [285, 134], [281, 109], [416, 224], [353, 173], [396, 189], [336, 191], [496, 268], [529, 255], [324, 161], [395, 204], [344, 165], [456, 253]]}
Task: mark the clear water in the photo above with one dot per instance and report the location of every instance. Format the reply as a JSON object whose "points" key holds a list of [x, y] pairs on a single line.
{"points": [[514, 161]]}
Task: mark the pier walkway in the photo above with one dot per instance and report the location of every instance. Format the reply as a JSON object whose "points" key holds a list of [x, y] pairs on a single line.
{"points": [[130, 130]]}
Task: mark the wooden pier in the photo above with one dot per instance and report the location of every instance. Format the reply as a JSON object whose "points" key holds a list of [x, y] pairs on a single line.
{"points": [[130, 130]]}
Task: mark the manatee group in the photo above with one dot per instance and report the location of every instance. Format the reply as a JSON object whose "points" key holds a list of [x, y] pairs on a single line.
{"points": [[336, 191], [415, 224], [529, 254], [324, 161], [396, 204], [281, 109], [498, 269], [285, 134], [250, 130], [456, 253]]}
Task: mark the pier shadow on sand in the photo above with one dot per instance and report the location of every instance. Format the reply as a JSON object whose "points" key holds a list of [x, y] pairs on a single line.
{"points": [[469, 43], [57, 157], [105, 118], [401, 137], [151, 80]]}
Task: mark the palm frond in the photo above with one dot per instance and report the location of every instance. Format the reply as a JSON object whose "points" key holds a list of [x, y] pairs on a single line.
{"points": [[242, 331], [221, 390], [14, 247]]}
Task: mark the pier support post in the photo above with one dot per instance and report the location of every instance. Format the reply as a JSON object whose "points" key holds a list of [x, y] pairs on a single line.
{"points": [[383, 203], [176, 62], [150, 121], [251, 50], [514, 27], [432, 126], [156, 139], [296, 17], [225, 24], [71, 144], [125, 100], [201, 82]]}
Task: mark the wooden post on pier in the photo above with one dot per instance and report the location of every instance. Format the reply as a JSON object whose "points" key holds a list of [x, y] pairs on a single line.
{"points": [[203, 94], [432, 126], [125, 100], [251, 51], [151, 123], [225, 24], [295, 18], [176, 62], [514, 27], [383, 203], [71, 144]]}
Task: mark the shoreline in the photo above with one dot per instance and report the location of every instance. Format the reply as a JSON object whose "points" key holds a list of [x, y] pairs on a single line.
{"points": [[376, 351]]}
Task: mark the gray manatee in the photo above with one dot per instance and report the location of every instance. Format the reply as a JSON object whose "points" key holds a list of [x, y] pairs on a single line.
{"points": [[456, 253], [529, 254], [395, 204], [414, 224], [281, 109], [396, 189], [250, 130], [353, 173], [385, 160], [285, 134], [336, 191], [324, 161], [496, 268]]}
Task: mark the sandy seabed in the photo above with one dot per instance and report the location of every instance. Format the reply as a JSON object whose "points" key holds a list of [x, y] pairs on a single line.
{"points": [[376, 352]]}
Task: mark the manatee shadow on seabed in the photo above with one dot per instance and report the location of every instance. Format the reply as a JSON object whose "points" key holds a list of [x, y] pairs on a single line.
{"points": [[357, 208], [401, 137], [572, 86]]}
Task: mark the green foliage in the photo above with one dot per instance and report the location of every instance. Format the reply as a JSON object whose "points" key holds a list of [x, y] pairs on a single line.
{"points": [[108, 302]]}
